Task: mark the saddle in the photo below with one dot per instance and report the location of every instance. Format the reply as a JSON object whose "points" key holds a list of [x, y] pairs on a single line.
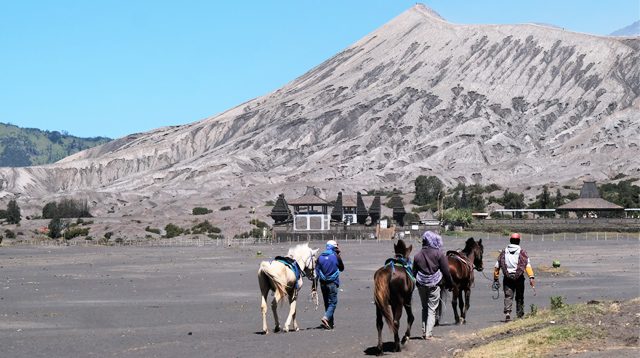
{"points": [[461, 257], [292, 265], [400, 262]]}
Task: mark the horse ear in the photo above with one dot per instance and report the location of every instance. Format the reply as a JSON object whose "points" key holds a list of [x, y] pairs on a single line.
{"points": [[409, 249], [314, 251], [480, 241]]}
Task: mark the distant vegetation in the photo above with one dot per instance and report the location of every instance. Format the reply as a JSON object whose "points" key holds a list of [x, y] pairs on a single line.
{"points": [[200, 211], [66, 208], [20, 147]]}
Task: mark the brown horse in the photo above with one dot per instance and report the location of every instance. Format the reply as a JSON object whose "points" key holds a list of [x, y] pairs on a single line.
{"points": [[461, 265], [393, 289]]}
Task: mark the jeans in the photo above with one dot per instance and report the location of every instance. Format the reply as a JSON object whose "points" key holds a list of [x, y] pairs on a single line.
{"points": [[512, 286], [330, 298], [430, 298]]}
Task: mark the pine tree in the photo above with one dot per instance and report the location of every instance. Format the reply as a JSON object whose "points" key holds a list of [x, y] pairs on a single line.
{"points": [[13, 212]]}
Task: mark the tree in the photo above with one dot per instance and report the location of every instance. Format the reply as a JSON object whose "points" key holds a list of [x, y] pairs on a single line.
{"points": [[427, 189], [55, 228], [513, 201], [13, 212]]}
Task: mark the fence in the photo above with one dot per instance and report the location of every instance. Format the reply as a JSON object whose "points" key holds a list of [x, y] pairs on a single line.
{"points": [[355, 236]]}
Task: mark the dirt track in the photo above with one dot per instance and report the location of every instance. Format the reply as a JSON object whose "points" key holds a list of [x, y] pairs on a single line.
{"points": [[204, 301]]}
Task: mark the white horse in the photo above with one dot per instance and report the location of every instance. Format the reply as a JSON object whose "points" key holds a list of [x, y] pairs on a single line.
{"points": [[279, 277]]}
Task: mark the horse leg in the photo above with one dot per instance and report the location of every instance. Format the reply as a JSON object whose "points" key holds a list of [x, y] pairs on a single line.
{"points": [[274, 308], [410, 318], [467, 303], [263, 310], [379, 327], [292, 310], [461, 304], [454, 304], [295, 322], [397, 314], [264, 293]]}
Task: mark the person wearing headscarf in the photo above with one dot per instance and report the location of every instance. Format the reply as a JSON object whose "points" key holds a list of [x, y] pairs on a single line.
{"points": [[430, 266], [514, 262], [328, 270]]}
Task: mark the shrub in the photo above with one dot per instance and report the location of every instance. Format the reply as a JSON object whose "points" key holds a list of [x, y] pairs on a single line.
{"points": [[55, 228], [75, 232], [173, 230], [9, 234], [258, 223], [269, 203], [411, 218], [107, 235], [556, 302], [201, 211], [225, 208], [255, 232], [153, 230], [205, 227]]}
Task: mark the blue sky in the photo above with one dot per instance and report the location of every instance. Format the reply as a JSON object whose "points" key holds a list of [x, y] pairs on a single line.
{"points": [[111, 67]]}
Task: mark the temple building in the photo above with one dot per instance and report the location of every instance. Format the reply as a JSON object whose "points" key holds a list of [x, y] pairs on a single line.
{"points": [[310, 212], [589, 204]]}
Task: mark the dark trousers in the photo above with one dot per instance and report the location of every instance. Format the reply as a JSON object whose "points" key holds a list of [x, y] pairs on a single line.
{"points": [[330, 298], [511, 287]]}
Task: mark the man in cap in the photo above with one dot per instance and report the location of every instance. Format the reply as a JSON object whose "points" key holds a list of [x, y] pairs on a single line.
{"points": [[514, 262], [430, 266], [328, 270]]}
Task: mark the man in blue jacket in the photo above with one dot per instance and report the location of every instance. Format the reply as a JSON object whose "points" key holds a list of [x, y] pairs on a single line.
{"points": [[328, 270]]}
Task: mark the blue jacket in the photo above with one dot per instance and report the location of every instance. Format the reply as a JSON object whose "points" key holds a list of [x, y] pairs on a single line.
{"points": [[329, 266]]}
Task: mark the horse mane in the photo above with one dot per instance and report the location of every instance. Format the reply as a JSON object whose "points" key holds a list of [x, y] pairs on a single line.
{"points": [[299, 250]]}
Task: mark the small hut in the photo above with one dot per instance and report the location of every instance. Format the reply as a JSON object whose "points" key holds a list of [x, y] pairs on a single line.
{"points": [[589, 204]]}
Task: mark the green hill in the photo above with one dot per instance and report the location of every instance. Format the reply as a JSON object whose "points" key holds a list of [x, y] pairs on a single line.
{"points": [[21, 147]]}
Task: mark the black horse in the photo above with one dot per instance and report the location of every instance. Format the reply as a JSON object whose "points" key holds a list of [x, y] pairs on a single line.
{"points": [[393, 289]]}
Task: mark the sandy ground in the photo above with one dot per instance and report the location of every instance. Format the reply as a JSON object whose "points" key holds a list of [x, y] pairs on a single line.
{"points": [[204, 301]]}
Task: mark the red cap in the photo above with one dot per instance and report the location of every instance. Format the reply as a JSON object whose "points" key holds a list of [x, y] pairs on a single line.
{"points": [[515, 235]]}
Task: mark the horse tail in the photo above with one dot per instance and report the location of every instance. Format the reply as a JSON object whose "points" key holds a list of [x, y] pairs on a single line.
{"points": [[381, 295], [278, 285]]}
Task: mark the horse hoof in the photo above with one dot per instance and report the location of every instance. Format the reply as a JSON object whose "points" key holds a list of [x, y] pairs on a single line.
{"points": [[404, 339], [277, 329], [286, 330], [265, 332]]}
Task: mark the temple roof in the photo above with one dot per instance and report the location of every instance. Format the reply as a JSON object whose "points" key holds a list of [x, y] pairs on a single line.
{"points": [[309, 200], [590, 200], [590, 204]]}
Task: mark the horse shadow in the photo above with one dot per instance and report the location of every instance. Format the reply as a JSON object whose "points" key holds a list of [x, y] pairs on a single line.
{"points": [[386, 347]]}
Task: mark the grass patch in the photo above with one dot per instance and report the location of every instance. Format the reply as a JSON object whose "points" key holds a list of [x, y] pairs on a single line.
{"points": [[546, 331]]}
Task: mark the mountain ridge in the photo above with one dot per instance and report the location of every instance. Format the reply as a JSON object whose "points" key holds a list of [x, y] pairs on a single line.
{"points": [[515, 105]]}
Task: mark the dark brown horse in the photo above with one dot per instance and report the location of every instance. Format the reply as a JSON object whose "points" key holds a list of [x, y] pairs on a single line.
{"points": [[461, 265], [393, 289]]}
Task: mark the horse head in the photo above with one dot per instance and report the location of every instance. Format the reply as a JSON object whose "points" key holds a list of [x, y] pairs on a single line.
{"points": [[401, 249], [475, 248], [306, 258]]}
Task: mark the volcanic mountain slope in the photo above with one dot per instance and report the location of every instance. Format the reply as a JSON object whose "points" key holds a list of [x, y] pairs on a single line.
{"points": [[509, 104]]}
